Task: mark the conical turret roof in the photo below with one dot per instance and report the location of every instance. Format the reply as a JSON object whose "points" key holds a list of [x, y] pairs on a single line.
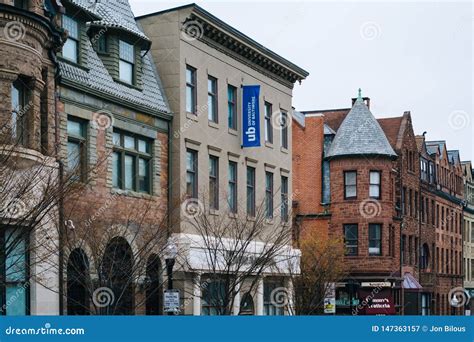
{"points": [[360, 134]]}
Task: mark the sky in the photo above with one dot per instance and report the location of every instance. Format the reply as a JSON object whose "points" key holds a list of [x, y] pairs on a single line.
{"points": [[405, 56]]}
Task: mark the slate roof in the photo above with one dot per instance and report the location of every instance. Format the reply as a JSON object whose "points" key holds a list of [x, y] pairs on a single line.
{"points": [[391, 128], [97, 78], [453, 157], [433, 146], [360, 134]]}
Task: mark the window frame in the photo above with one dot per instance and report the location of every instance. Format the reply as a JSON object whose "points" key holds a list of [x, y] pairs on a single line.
{"points": [[19, 115], [193, 172], [191, 85], [137, 155], [75, 40], [379, 185], [269, 186], [212, 100], [347, 246], [81, 141], [268, 122], [269, 307], [284, 188], [232, 184], [350, 185], [372, 239], [284, 132], [124, 43], [251, 191], [214, 182], [232, 107], [3, 270]]}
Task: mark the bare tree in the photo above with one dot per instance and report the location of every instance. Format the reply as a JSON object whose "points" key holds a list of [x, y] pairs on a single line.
{"points": [[236, 249]]}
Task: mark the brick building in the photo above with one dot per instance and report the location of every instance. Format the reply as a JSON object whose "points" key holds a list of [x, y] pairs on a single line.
{"points": [[441, 215], [29, 40], [468, 232], [114, 124]]}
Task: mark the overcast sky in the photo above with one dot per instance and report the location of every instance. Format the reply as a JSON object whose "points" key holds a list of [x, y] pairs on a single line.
{"points": [[415, 56]]}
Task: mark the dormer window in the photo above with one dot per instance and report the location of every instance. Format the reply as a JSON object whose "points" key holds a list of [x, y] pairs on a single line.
{"points": [[127, 62], [71, 47], [102, 44]]}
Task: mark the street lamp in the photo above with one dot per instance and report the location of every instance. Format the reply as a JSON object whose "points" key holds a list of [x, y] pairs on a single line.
{"points": [[170, 252]]}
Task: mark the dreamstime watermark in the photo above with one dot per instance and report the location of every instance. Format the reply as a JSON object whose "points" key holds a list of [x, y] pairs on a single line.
{"points": [[14, 209], [192, 208], [370, 208], [281, 120], [192, 30], [458, 297], [14, 31], [279, 297], [459, 119], [108, 202], [191, 120], [19, 293], [103, 297], [370, 30], [46, 330], [102, 120]]}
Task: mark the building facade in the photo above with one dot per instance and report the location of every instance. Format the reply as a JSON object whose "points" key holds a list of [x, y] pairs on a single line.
{"points": [[204, 63], [29, 39], [114, 129], [468, 232]]}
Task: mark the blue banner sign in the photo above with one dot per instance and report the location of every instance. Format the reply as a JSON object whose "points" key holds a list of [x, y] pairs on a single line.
{"points": [[251, 116]]}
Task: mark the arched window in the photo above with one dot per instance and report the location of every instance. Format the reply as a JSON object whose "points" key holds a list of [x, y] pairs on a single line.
{"points": [[154, 286], [247, 306], [425, 256], [117, 275], [77, 283]]}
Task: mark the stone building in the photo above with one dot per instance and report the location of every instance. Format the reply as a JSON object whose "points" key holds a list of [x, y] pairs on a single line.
{"points": [[441, 219], [29, 40], [204, 63], [114, 128], [468, 232]]}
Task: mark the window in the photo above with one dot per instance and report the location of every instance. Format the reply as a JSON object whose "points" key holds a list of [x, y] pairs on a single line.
{"points": [[102, 44], [214, 182], [191, 173], [269, 194], [191, 90], [19, 109], [250, 191], [375, 239], [425, 304], [284, 198], [375, 180], [126, 62], [23, 4], [269, 306], [14, 288], [268, 123], [232, 196], [351, 239], [350, 184], [213, 295], [284, 129], [76, 147], [403, 249], [212, 99], [71, 46], [232, 106], [132, 160]]}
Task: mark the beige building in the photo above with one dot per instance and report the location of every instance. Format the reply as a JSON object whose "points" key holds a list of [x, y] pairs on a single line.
{"points": [[203, 64], [469, 230]]}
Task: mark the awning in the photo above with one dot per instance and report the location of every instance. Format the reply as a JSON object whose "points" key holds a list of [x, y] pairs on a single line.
{"points": [[410, 283]]}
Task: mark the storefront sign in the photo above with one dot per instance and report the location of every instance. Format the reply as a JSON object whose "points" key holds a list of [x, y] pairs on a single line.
{"points": [[171, 301], [376, 284], [251, 116], [377, 302]]}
